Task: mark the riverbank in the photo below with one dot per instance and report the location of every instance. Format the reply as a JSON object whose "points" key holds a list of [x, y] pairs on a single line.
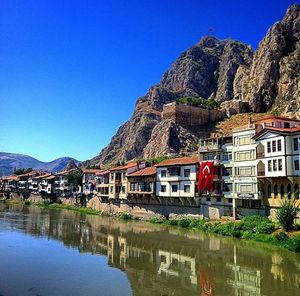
{"points": [[254, 228]]}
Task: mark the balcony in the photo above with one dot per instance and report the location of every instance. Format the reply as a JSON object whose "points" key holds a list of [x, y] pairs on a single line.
{"points": [[205, 147]]}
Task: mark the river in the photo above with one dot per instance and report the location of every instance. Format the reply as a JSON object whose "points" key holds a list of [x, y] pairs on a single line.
{"points": [[60, 252]]}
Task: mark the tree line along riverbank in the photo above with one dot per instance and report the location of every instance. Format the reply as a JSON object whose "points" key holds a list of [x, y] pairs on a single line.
{"points": [[255, 228]]}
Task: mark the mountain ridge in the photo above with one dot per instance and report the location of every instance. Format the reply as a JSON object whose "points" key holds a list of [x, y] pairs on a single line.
{"points": [[10, 161]]}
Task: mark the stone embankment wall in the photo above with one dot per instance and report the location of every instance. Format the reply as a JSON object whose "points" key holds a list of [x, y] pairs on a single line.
{"points": [[191, 116], [148, 211]]}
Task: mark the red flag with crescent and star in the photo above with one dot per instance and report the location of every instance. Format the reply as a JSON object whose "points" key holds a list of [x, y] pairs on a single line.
{"points": [[206, 174]]}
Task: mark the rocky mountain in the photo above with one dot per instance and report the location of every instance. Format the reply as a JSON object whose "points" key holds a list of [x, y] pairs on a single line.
{"points": [[10, 161], [272, 81], [224, 70]]}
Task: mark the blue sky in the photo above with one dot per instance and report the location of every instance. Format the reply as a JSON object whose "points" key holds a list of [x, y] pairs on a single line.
{"points": [[71, 71]]}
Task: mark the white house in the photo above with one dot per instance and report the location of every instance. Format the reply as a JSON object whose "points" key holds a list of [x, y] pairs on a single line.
{"points": [[177, 177]]}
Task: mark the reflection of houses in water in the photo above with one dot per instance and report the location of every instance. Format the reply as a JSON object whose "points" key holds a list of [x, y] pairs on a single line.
{"points": [[158, 262], [123, 250], [178, 266], [244, 280]]}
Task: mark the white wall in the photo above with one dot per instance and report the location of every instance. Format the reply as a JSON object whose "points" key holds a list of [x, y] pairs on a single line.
{"points": [[180, 181]]}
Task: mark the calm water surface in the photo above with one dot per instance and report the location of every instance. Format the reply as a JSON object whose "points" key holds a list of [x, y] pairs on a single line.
{"points": [[57, 252]]}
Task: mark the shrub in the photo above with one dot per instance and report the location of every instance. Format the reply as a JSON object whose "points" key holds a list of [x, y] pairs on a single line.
{"points": [[257, 224], [281, 236], [156, 220], [27, 202], [287, 213], [173, 222], [184, 223], [294, 243], [125, 216], [265, 227], [197, 223]]}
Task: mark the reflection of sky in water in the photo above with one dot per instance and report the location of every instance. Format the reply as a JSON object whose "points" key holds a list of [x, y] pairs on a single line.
{"points": [[49, 253], [43, 267]]}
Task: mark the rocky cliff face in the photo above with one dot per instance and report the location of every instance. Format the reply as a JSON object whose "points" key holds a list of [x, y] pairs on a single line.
{"points": [[272, 81], [214, 69]]}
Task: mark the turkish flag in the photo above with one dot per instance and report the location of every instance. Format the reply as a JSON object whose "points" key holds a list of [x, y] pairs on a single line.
{"points": [[206, 176]]}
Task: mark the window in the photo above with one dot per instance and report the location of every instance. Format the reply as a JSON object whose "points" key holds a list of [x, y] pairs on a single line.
{"points": [[163, 173], [219, 199], [227, 187], [163, 188], [124, 176], [269, 147], [142, 187], [111, 189], [112, 176], [278, 145], [286, 125], [296, 144], [244, 171], [275, 191], [279, 164], [273, 146], [230, 200], [282, 191], [226, 156], [208, 199], [269, 166], [245, 140], [269, 191], [132, 186], [245, 155], [274, 165], [174, 171], [251, 203], [246, 188], [289, 191], [187, 172], [227, 171], [187, 188], [174, 188], [296, 163]]}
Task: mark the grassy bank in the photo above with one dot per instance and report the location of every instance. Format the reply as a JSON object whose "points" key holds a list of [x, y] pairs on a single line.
{"points": [[254, 228], [47, 205], [83, 210]]}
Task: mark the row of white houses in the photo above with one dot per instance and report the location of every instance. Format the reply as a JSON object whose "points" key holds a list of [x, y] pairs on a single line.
{"points": [[254, 168]]}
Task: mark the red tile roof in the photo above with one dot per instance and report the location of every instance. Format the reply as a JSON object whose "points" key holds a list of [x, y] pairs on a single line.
{"points": [[64, 173], [11, 178], [274, 117], [149, 171], [102, 173], [125, 167], [50, 177], [276, 129], [179, 161], [91, 171], [45, 175]]}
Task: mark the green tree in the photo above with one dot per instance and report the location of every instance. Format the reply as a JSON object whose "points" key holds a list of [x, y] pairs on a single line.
{"points": [[75, 177], [22, 171], [287, 213]]}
